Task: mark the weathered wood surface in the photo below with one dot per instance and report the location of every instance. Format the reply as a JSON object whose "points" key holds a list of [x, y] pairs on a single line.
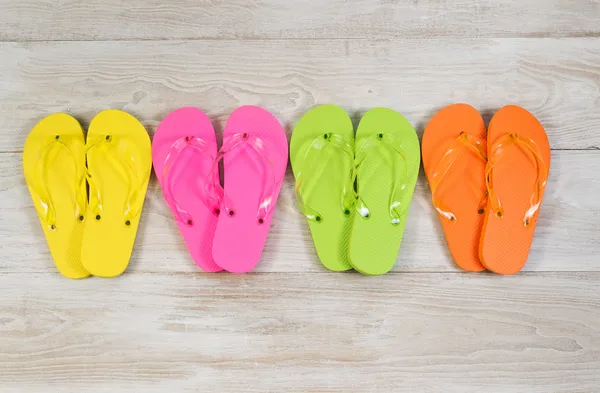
{"points": [[557, 80], [282, 19], [300, 333], [292, 326]]}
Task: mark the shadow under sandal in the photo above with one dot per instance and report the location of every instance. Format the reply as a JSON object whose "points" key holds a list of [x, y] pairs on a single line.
{"points": [[322, 156], [54, 167], [119, 161], [454, 159], [516, 176], [387, 163]]}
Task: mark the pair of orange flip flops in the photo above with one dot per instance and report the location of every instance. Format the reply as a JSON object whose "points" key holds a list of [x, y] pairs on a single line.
{"points": [[487, 186]]}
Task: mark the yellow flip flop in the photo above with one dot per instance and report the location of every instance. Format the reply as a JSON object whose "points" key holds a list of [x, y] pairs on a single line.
{"points": [[119, 161], [54, 168]]}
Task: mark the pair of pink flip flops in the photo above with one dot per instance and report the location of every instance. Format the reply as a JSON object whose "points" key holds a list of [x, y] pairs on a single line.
{"points": [[223, 228]]}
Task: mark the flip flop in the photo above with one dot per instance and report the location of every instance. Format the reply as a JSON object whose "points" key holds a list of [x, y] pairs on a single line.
{"points": [[516, 176], [387, 164], [454, 159], [54, 167], [254, 154], [183, 151], [119, 162], [322, 156]]}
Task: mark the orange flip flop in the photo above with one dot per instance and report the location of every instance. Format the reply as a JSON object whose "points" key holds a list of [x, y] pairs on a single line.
{"points": [[516, 175], [454, 159]]}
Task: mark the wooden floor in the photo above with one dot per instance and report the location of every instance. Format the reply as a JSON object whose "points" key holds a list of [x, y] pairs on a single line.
{"points": [[291, 326]]}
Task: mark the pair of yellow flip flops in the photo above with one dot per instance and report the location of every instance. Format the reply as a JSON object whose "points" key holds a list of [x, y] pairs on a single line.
{"points": [[89, 195]]}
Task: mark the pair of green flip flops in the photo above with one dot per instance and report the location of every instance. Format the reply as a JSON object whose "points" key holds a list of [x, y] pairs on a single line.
{"points": [[355, 191]]}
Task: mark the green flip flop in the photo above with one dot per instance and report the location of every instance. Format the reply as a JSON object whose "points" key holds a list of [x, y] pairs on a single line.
{"points": [[322, 157], [387, 161]]}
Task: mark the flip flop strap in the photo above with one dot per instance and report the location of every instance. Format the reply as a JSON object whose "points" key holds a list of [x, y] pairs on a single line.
{"points": [[464, 142], [45, 206], [385, 141], [259, 148], [529, 147], [198, 145], [315, 166], [135, 198]]}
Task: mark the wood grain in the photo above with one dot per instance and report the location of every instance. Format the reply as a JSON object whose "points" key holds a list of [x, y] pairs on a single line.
{"points": [[281, 19], [566, 236], [291, 326], [294, 333], [557, 80]]}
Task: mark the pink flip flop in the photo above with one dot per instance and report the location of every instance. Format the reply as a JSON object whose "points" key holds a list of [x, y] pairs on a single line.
{"points": [[183, 152], [254, 154]]}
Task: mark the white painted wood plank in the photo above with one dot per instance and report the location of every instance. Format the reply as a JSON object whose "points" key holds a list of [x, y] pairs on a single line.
{"points": [[566, 236], [558, 80], [268, 19], [300, 333]]}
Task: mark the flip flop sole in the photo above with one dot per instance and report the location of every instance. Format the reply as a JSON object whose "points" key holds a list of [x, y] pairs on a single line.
{"points": [[505, 241], [119, 160], [54, 151], [387, 176], [462, 188], [186, 139], [241, 232], [326, 178]]}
